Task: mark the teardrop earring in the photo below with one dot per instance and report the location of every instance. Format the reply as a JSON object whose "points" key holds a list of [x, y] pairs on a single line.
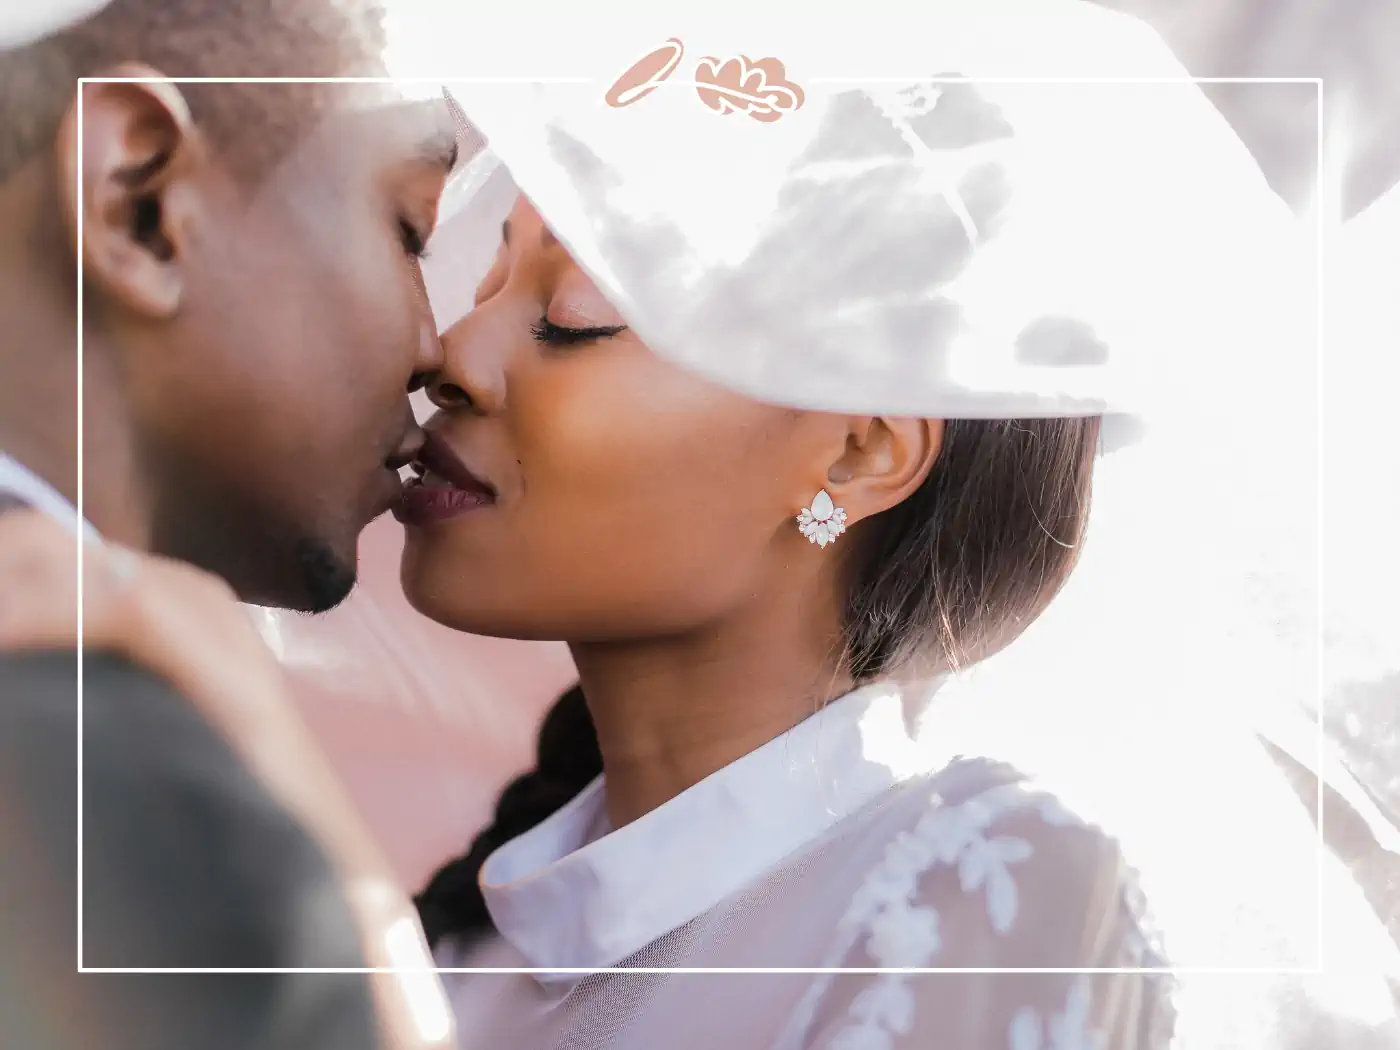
{"points": [[823, 521]]}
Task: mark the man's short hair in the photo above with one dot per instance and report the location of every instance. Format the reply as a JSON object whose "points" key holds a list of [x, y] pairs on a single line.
{"points": [[196, 38]]}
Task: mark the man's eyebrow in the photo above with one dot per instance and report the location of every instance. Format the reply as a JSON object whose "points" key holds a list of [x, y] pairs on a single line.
{"points": [[505, 231]]}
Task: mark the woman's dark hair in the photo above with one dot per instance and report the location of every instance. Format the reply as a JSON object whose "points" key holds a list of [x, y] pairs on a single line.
{"points": [[949, 576]]}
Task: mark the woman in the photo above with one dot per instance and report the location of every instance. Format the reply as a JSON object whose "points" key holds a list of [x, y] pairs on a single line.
{"points": [[739, 661], [738, 822]]}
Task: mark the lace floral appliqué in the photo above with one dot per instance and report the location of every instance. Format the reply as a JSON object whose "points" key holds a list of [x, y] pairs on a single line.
{"points": [[950, 836], [1068, 1030], [900, 933]]}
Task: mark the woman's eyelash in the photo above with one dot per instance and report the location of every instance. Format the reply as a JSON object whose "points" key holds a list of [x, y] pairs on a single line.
{"points": [[546, 331], [413, 242]]}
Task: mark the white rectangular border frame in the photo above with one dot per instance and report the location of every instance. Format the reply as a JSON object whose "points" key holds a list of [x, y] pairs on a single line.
{"points": [[1322, 201]]}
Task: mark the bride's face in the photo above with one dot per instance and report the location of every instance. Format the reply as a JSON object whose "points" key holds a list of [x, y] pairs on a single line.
{"points": [[618, 496]]}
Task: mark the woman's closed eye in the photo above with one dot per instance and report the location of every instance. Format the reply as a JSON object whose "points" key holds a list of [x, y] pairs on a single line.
{"points": [[546, 331]]}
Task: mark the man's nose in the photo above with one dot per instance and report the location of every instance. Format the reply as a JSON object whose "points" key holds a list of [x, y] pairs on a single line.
{"points": [[428, 360]]}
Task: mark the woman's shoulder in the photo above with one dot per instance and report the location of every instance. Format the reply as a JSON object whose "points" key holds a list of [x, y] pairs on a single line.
{"points": [[1003, 867], [987, 876]]}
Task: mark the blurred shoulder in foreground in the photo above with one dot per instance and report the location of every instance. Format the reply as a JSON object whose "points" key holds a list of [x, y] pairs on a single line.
{"points": [[188, 862]]}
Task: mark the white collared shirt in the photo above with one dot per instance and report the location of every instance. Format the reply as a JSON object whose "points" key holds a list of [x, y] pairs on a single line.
{"points": [[835, 845], [18, 480], [860, 840]]}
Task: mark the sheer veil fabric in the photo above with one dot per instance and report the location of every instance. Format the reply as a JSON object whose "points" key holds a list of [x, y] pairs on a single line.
{"points": [[1042, 217]]}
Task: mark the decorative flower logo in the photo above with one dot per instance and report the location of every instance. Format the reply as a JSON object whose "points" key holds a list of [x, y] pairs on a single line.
{"points": [[645, 75], [732, 85], [760, 89]]}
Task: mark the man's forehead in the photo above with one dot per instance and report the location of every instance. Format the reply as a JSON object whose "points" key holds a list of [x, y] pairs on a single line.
{"points": [[433, 135], [420, 131], [423, 130]]}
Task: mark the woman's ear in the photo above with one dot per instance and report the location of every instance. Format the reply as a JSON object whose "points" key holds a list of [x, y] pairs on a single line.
{"points": [[127, 157], [884, 462]]}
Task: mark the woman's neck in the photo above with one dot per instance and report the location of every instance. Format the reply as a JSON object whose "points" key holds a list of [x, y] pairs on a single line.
{"points": [[670, 712]]}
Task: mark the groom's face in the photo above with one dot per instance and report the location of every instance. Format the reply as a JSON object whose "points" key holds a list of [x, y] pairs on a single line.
{"points": [[271, 403]]}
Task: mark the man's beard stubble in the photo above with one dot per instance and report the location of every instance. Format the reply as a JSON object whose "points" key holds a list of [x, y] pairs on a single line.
{"points": [[326, 580], [266, 562]]}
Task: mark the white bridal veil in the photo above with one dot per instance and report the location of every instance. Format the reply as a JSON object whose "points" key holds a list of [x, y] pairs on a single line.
{"points": [[992, 209], [1039, 215]]}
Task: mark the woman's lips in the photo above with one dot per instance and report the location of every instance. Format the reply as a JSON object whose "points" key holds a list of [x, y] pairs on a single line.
{"points": [[444, 488], [424, 504]]}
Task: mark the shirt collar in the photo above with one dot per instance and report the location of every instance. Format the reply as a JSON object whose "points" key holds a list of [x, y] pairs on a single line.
{"points": [[22, 482], [566, 902]]}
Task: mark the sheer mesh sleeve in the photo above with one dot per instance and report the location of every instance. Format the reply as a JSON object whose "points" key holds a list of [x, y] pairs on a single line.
{"points": [[1007, 880]]}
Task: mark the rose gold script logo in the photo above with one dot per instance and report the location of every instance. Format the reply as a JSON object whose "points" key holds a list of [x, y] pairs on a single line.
{"points": [[732, 85]]}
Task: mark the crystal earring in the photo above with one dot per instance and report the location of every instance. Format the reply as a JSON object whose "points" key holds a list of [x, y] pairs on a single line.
{"points": [[823, 521]]}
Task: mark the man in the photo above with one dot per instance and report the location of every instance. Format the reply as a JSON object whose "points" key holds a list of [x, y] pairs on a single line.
{"points": [[253, 322], [253, 315]]}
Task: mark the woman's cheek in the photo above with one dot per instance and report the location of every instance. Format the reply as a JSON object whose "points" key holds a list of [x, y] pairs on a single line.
{"points": [[568, 439]]}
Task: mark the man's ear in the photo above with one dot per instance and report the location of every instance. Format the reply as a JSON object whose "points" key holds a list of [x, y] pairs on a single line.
{"points": [[127, 167]]}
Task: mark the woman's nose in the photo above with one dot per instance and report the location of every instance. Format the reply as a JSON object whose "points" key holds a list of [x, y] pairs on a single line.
{"points": [[472, 375], [445, 394]]}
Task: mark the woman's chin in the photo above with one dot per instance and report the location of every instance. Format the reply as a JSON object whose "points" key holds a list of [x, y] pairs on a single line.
{"points": [[443, 599], [428, 593]]}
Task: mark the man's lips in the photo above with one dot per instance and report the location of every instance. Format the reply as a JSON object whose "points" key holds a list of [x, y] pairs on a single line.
{"points": [[410, 445], [405, 453], [444, 487]]}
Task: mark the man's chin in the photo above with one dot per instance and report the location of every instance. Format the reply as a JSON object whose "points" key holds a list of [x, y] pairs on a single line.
{"points": [[327, 578]]}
